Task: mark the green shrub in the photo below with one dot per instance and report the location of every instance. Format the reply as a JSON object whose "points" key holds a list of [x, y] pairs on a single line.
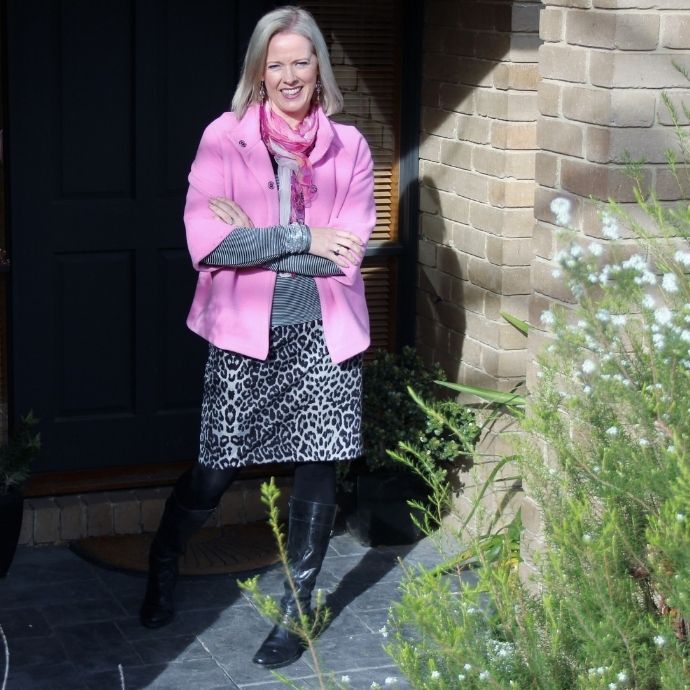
{"points": [[389, 414]]}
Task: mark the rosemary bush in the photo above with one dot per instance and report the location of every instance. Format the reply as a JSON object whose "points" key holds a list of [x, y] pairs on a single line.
{"points": [[613, 407]]}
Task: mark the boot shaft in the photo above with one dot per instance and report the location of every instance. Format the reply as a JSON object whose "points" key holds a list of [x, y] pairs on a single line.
{"points": [[309, 533]]}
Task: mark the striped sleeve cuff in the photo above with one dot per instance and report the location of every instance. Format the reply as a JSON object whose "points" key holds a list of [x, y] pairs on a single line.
{"points": [[245, 247]]}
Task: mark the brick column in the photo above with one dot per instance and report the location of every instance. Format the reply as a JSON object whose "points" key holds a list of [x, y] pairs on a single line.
{"points": [[477, 154], [604, 66]]}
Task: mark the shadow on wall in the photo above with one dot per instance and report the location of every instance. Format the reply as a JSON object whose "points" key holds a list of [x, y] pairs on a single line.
{"points": [[465, 85], [480, 70]]}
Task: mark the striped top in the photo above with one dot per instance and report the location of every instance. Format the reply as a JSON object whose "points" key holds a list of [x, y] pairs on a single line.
{"points": [[281, 249]]}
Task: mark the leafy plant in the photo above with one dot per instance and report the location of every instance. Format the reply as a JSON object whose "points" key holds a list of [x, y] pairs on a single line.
{"points": [[18, 453], [389, 415], [447, 441]]}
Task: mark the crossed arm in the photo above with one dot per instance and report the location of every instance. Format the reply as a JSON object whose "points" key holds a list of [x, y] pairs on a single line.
{"points": [[294, 248]]}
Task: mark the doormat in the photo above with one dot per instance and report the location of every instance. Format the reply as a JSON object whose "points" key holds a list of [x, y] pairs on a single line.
{"points": [[212, 551]]}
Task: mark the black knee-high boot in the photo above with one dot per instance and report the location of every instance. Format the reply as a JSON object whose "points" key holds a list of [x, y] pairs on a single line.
{"points": [[309, 531], [177, 525]]}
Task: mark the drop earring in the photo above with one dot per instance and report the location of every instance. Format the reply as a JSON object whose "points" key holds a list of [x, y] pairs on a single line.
{"points": [[262, 91], [318, 89]]}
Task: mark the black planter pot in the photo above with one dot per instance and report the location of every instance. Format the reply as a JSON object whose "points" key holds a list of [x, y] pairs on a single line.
{"points": [[11, 510], [381, 515]]}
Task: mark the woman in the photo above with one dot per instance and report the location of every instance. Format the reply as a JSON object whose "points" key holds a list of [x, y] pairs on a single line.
{"points": [[279, 210]]}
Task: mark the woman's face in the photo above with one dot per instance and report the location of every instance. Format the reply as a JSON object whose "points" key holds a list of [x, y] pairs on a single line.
{"points": [[290, 76]]}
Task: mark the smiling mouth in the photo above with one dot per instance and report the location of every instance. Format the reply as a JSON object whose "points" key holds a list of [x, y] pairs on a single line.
{"points": [[291, 93]]}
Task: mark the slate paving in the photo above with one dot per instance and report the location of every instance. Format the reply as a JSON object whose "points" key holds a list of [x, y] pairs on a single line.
{"points": [[70, 624]]}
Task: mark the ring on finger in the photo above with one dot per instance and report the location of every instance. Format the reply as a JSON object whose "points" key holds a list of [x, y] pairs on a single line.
{"points": [[336, 251]]}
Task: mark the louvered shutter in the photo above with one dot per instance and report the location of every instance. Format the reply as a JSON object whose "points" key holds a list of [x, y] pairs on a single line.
{"points": [[364, 39]]}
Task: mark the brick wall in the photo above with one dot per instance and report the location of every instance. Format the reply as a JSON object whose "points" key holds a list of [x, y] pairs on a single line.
{"points": [[66, 518], [477, 157], [512, 119], [604, 65], [477, 162]]}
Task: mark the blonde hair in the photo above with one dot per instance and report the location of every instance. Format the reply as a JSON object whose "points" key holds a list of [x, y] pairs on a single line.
{"points": [[292, 20]]}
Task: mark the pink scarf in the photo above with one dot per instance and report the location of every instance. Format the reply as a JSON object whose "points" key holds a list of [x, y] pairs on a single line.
{"points": [[291, 148]]}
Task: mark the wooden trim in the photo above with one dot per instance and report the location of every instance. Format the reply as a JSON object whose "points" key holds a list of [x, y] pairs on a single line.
{"points": [[120, 478]]}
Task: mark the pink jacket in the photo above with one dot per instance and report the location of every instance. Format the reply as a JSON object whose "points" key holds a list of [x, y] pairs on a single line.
{"points": [[232, 307]]}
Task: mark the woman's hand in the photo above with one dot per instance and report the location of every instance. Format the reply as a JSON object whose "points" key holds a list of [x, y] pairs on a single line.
{"points": [[230, 212], [340, 246]]}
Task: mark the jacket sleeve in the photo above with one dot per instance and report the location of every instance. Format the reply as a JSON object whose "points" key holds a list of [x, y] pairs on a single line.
{"points": [[358, 211], [206, 180]]}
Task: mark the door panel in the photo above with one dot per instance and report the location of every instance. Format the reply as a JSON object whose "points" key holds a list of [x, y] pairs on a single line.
{"points": [[107, 102]]}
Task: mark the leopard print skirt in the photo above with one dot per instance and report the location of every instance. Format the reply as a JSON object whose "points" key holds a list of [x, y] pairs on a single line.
{"points": [[296, 406]]}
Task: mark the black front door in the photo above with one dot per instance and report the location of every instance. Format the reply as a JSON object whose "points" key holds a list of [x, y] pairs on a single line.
{"points": [[107, 100]]}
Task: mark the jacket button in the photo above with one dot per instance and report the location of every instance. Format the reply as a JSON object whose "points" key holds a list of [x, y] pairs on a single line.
{"points": [[313, 189], [271, 184], [243, 143]]}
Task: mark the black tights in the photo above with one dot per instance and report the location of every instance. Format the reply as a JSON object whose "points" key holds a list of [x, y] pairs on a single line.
{"points": [[201, 487]]}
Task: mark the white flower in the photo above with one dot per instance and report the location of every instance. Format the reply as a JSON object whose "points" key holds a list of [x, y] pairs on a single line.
{"points": [[619, 320], [588, 366], [685, 336], [601, 670], [669, 282], [344, 679], [612, 431], [547, 318], [609, 226], [648, 301], [461, 676], [383, 631], [663, 316], [472, 610], [467, 667], [556, 273], [390, 680], [595, 249], [680, 517], [483, 675], [596, 469], [612, 686], [637, 262], [560, 207], [622, 676], [682, 258], [374, 686], [659, 640], [643, 442], [435, 675], [587, 390], [647, 278], [587, 537], [575, 250], [603, 315], [658, 340]]}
